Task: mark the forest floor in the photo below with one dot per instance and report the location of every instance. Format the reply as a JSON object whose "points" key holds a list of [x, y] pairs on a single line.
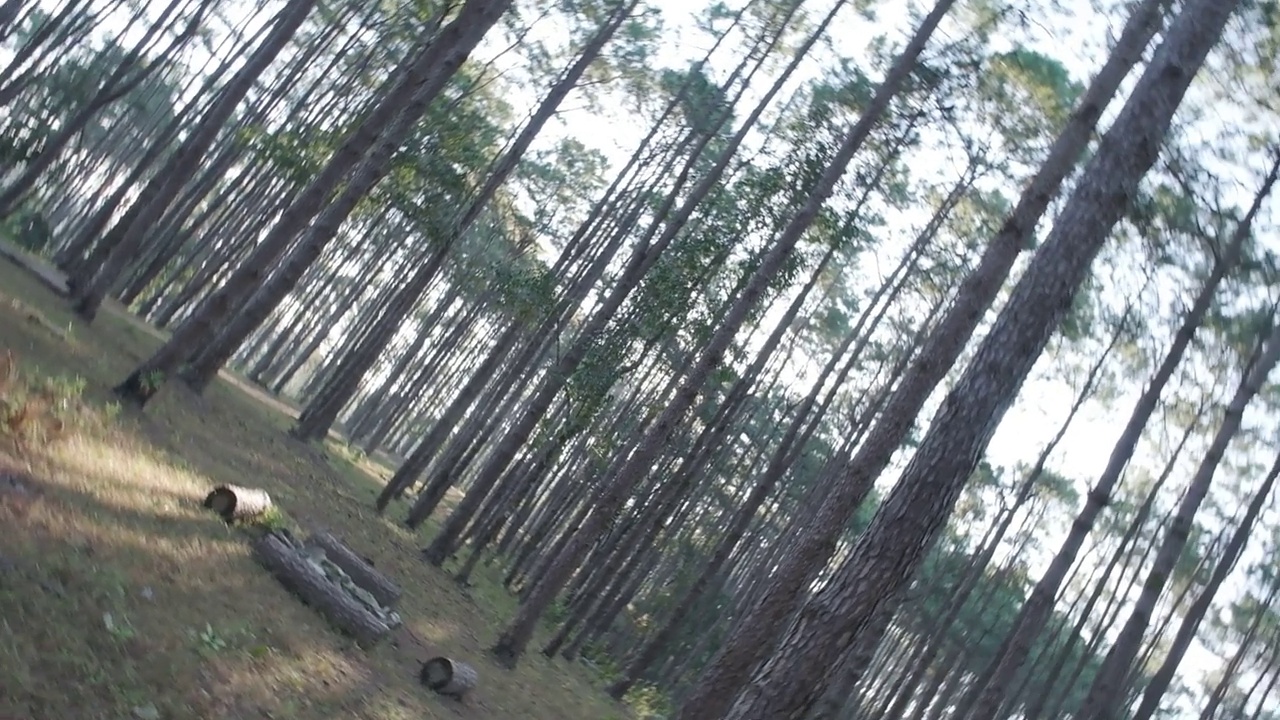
{"points": [[121, 597]]}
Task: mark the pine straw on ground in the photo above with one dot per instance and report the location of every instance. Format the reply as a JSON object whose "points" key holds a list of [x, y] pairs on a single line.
{"points": [[120, 597]]}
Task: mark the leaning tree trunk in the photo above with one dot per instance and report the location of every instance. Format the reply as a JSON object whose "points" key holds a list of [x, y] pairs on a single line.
{"points": [[641, 261], [907, 523], [619, 487], [1242, 651], [1105, 694], [117, 85], [318, 417], [992, 685], [754, 634], [407, 100], [804, 423], [124, 240]]}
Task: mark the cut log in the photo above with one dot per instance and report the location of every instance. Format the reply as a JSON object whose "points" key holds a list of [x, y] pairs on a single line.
{"points": [[449, 677], [310, 585], [361, 570], [233, 502]]}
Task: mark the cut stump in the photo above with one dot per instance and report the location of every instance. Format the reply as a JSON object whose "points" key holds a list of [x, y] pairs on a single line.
{"points": [[361, 571], [449, 677], [310, 585], [233, 502]]}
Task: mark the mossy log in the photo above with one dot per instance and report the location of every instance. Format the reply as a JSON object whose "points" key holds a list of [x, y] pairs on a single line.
{"points": [[449, 677], [310, 585], [359, 569], [234, 502]]}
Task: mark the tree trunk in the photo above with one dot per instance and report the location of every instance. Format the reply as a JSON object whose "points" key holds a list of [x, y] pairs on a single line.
{"points": [[754, 634], [986, 694], [642, 259], [123, 241], [888, 553], [405, 102], [1104, 698], [316, 419], [517, 635]]}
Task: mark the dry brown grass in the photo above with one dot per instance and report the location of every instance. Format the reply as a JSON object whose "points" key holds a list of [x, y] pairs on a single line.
{"points": [[121, 597]]}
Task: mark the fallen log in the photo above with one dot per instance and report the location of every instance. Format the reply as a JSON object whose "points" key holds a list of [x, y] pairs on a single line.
{"points": [[358, 568], [449, 677], [310, 584], [234, 502]]}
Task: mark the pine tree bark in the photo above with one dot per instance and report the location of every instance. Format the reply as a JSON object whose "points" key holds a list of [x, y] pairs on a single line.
{"points": [[645, 255], [517, 635], [888, 553], [993, 683], [156, 196], [407, 100], [753, 636], [1105, 694], [317, 418]]}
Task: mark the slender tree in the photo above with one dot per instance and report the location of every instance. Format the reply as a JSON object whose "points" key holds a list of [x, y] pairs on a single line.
{"points": [[629, 475], [1106, 694], [989, 690], [888, 553], [363, 158], [754, 633]]}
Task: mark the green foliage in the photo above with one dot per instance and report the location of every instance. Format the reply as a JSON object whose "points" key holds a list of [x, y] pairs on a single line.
{"points": [[1026, 97], [28, 228], [525, 289], [648, 703], [702, 103], [988, 615]]}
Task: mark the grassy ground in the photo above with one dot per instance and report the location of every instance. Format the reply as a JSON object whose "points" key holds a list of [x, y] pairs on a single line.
{"points": [[120, 597]]}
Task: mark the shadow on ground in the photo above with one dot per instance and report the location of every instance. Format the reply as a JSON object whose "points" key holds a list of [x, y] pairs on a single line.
{"points": [[121, 597]]}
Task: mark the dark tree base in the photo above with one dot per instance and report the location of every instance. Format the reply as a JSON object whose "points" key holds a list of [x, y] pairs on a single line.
{"points": [[134, 391], [86, 308], [618, 690], [505, 655], [197, 382], [435, 555]]}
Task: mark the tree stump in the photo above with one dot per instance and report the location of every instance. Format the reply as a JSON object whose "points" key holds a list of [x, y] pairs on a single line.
{"points": [[310, 585], [361, 571], [233, 502], [453, 678]]}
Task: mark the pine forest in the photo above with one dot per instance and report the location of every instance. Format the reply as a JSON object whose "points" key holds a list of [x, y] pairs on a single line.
{"points": [[752, 359]]}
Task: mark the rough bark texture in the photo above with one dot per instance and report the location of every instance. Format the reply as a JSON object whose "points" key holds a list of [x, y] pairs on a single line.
{"points": [[989, 688], [163, 188], [449, 677], [754, 634], [261, 281], [234, 502], [311, 586], [888, 553], [1106, 693], [622, 483], [361, 570], [642, 259]]}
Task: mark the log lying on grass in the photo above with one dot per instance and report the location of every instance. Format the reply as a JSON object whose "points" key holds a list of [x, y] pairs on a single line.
{"points": [[314, 588], [233, 502], [449, 677], [361, 571]]}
